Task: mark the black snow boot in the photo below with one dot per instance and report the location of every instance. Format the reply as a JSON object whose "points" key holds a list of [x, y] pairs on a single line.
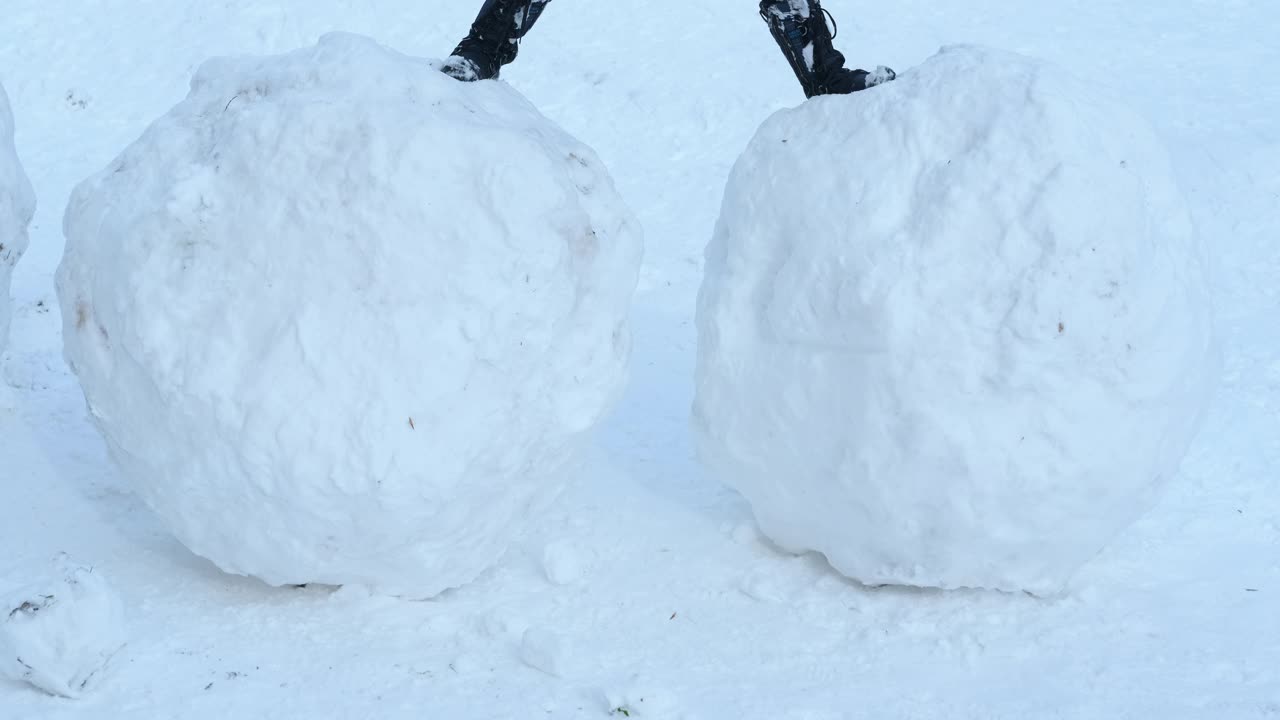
{"points": [[800, 29], [494, 39]]}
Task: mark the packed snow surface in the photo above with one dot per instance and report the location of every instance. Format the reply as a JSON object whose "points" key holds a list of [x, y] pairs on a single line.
{"points": [[343, 319], [17, 204], [955, 330], [59, 633]]}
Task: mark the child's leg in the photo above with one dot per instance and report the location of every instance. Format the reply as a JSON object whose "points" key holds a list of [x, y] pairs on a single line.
{"points": [[494, 38]]}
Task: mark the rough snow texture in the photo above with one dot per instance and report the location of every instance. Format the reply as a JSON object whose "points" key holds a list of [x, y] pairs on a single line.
{"points": [[17, 204], [343, 319], [954, 331], [60, 633]]}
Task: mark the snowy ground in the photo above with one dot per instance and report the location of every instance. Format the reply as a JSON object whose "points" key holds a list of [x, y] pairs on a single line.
{"points": [[667, 603]]}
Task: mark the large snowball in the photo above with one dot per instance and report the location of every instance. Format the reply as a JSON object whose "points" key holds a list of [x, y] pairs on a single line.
{"points": [[17, 204], [954, 330], [343, 319]]}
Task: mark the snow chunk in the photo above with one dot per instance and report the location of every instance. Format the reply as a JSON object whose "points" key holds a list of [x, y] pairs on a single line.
{"points": [[955, 330], [542, 649], [17, 205], [60, 633], [343, 319], [639, 696], [564, 563]]}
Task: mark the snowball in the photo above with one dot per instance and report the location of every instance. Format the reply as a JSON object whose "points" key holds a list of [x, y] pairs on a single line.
{"points": [[17, 205], [542, 649], [60, 633], [564, 562], [343, 319], [954, 330]]}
